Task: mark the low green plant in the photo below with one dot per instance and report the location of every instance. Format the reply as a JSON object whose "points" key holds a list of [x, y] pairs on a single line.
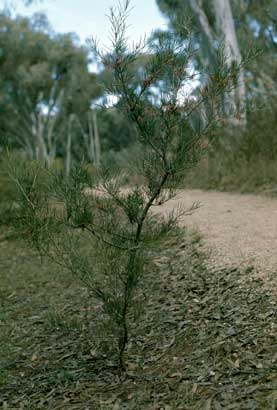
{"points": [[60, 214], [7, 194]]}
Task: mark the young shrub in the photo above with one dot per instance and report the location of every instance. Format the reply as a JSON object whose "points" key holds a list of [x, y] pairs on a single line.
{"points": [[90, 224]]}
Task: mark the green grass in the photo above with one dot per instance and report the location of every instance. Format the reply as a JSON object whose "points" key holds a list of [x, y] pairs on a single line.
{"points": [[205, 340]]}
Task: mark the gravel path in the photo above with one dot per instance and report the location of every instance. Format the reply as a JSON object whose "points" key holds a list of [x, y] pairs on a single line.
{"points": [[237, 229]]}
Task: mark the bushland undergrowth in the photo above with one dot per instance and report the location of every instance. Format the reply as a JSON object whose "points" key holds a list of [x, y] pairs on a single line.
{"points": [[242, 160]]}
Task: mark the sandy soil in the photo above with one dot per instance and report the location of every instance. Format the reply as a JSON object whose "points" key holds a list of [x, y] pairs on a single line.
{"points": [[237, 229]]}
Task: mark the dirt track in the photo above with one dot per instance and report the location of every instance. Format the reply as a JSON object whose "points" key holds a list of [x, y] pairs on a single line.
{"points": [[237, 229]]}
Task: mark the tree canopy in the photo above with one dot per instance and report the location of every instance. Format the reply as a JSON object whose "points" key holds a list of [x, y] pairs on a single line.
{"points": [[254, 26], [36, 66]]}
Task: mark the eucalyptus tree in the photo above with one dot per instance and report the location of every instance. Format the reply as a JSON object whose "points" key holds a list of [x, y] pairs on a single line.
{"points": [[238, 25], [45, 78]]}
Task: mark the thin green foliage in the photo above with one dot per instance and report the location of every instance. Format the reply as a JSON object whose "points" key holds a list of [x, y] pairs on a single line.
{"points": [[60, 212]]}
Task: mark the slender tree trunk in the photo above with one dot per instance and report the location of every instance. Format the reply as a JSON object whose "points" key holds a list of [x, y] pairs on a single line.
{"points": [[42, 151], [42, 130], [96, 139], [68, 145], [91, 142], [226, 29], [50, 123], [203, 20]]}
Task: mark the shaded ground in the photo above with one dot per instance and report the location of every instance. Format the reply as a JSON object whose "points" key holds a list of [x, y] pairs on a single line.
{"points": [[237, 229], [204, 340]]}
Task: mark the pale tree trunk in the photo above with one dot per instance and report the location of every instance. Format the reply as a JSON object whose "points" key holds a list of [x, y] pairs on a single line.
{"points": [[50, 123], [203, 21], [208, 34], [41, 152], [41, 131], [88, 138], [226, 29], [96, 139], [91, 142], [68, 145], [92, 138]]}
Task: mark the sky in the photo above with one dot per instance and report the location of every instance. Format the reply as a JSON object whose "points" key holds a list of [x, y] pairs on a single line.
{"points": [[88, 18]]}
